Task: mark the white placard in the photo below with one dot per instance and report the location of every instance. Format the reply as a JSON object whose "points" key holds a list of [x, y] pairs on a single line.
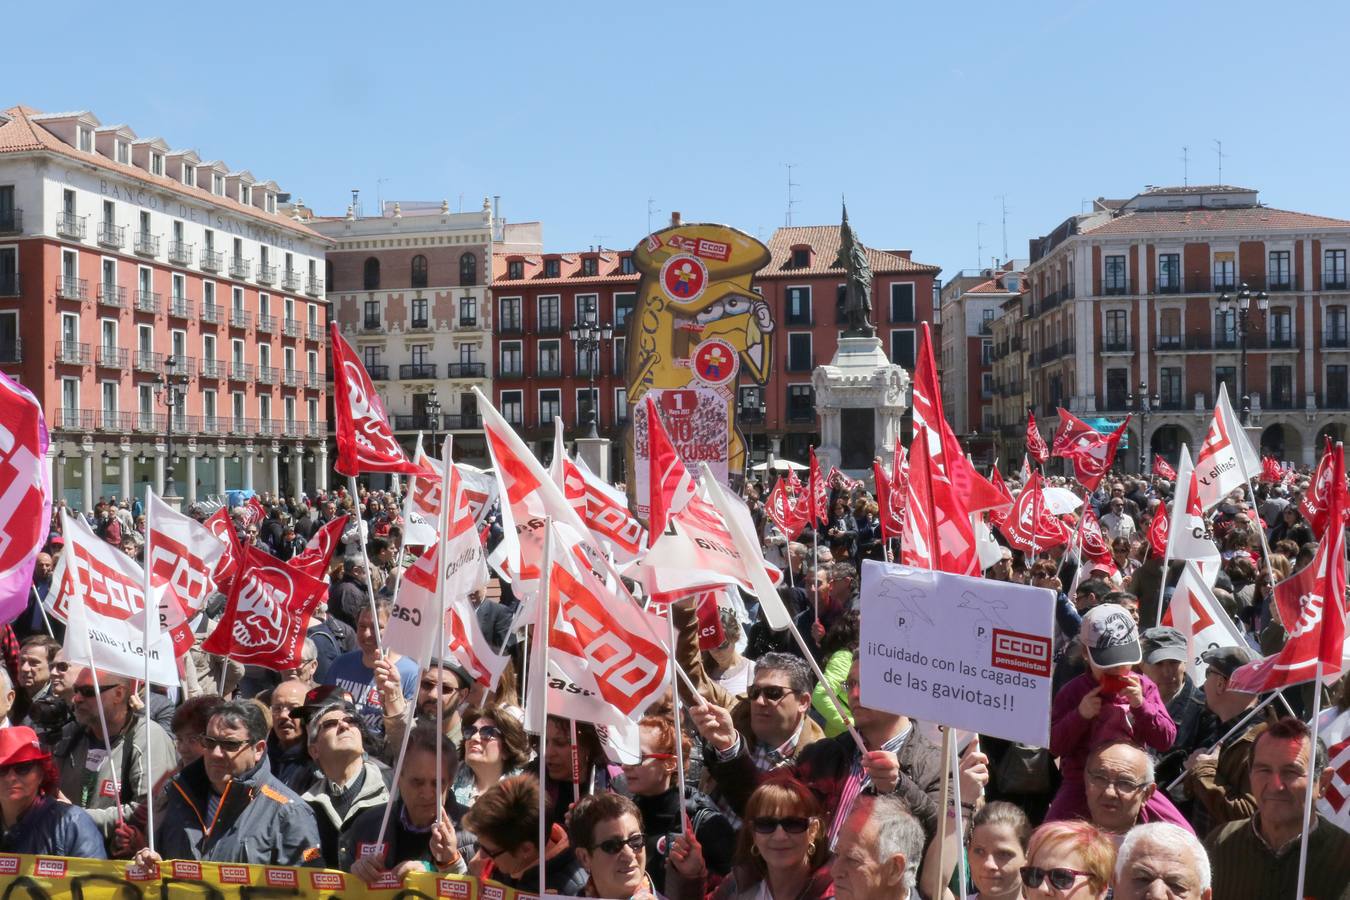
{"points": [[967, 652]]}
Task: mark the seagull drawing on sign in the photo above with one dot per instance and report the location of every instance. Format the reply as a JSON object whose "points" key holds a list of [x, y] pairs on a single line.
{"points": [[987, 607], [907, 598]]}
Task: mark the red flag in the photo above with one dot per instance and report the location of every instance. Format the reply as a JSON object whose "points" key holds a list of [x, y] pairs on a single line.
{"points": [[253, 511], [917, 545], [710, 635], [1157, 531], [365, 441], [838, 479], [1031, 527], [1091, 461], [1311, 605], [794, 483], [1270, 470], [267, 613], [1036, 447], [818, 507], [1315, 501], [1072, 434], [783, 512], [672, 487], [899, 481], [1163, 469], [888, 516], [1000, 515], [26, 501], [222, 526], [318, 552], [1093, 543]]}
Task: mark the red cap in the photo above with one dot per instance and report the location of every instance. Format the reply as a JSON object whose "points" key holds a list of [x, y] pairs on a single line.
{"points": [[19, 744]]}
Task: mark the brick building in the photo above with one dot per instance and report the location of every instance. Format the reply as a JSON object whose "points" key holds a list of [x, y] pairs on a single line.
{"points": [[126, 264], [1125, 314]]}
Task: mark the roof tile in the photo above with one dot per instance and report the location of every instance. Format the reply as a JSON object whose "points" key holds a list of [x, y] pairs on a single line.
{"points": [[824, 241]]}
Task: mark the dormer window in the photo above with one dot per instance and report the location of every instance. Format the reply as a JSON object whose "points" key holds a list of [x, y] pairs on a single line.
{"points": [[189, 174], [515, 269], [270, 201], [245, 195], [156, 163], [626, 265], [552, 268], [218, 184], [589, 266], [801, 257], [122, 152]]}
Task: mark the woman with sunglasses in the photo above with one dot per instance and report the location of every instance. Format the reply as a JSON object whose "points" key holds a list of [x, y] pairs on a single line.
{"points": [[606, 834], [782, 852], [1068, 861], [495, 747], [32, 819]]}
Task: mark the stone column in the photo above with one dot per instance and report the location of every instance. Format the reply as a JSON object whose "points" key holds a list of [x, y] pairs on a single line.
{"points": [[161, 454], [193, 451], [250, 452], [274, 464], [220, 468], [87, 474], [297, 469], [125, 450], [321, 470], [57, 461]]}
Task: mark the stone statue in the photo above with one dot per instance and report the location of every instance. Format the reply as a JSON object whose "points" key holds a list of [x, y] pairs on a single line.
{"points": [[858, 288]]}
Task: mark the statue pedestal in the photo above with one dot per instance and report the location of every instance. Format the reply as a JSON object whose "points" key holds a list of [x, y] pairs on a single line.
{"points": [[860, 397], [595, 453]]}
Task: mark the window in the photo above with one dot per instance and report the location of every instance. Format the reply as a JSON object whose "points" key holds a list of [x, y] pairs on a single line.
{"points": [[1281, 387], [590, 266], [1281, 327], [515, 269], [987, 320], [587, 308], [801, 403], [178, 345], [1225, 271], [288, 410], [626, 267], [1114, 279], [550, 316], [468, 311], [87, 140], [370, 356], [1225, 329], [587, 401], [218, 184], [265, 356], [620, 356], [1169, 387], [245, 194], [986, 353], [1338, 387], [550, 359], [1333, 270], [799, 357], [1117, 388], [312, 362], [371, 319], [902, 302], [370, 274], [288, 358], [209, 240], [421, 354], [189, 174], [508, 314], [1169, 273], [178, 287], [1169, 328], [236, 352], [209, 347], [799, 306], [419, 312], [801, 257], [312, 408], [145, 338], [1335, 327], [511, 364], [986, 384], [237, 300], [840, 299], [265, 408], [70, 402], [123, 152], [902, 348], [550, 406], [1116, 335], [620, 406], [156, 163], [264, 305], [419, 271], [1227, 377], [585, 357], [1278, 272], [468, 269], [209, 405], [623, 307], [512, 407], [552, 268]]}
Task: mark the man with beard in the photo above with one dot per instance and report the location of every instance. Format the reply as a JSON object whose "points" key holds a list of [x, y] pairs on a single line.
{"points": [[286, 741], [441, 691]]}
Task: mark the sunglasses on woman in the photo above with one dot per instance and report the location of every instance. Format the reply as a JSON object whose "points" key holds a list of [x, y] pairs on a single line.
{"points": [[1060, 879], [486, 732], [791, 824], [23, 769], [636, 842]]}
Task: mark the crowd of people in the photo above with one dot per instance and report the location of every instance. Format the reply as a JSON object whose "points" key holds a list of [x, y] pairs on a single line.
{"points": [[1135, 797]]}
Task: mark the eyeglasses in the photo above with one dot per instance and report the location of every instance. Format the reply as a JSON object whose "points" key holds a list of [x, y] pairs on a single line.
{"points": [[790, 824], [87, 691], [491, 854], [771, 692], [1123, 786], [229, 746], [330, 724], [486, 732], [23, 769], [1060, 879], [59, 667], [637, 842]]}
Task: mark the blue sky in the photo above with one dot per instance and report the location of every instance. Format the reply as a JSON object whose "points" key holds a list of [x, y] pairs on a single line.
{"points": [[923, 115]]}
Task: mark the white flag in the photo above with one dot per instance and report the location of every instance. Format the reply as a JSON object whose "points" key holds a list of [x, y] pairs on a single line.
{"points": [[1026, 469], [1226, 458], [603, 509], [738, 521], [1335, 802], [1196, 613], [1187, 535], [182, 555], [419, 524]]}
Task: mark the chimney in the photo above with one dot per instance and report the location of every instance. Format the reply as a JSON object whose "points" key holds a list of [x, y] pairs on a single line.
{"points": [[674, 219]]}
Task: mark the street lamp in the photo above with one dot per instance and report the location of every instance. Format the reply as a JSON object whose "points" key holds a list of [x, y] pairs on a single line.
{"points": [[433, 411], [588, 337], [1143, 404], [1242, 303], [169, 385]]}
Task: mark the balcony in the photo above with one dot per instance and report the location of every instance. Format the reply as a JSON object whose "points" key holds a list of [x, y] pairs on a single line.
{"points": [[1168, 284], [10, 284], [1337, 398], [215, 425], [1285, 341], [69, 225], [377, 372], [267, 274], [801, 363], [512, 373], [75, 419], [212, 261], [112, 420], [419, 324], [290, 377], [11, 351], [72, 353], [181, 308], [801, 414], [267, 375], [313, 286], [748, 416], [240, 318], [509, 326], [1117, 344], [149, 361], [267, 324], [550, 327], [465, 370], [1277, 283], [1168, 342], [315, 429], [1223, 281], [268, 427], [290, 328], [242, 425], [151, 423], [372, 323], [462, 421], [212, 368], [1116, 288], [548, 371], [241, 371], [180, 253], [147, 301], [112, 357], [112, 295], [111, 235], [416, 370], [147, 244], [313, 332], [424, 422], [313, 381], [11, 221], [240, 267], [468, 321], [68, 288], [1335, 340], [1334, 282], [211, 313], [291, 280]]}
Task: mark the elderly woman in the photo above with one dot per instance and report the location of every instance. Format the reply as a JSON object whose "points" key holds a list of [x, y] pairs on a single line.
{"points": [[495, 747], [1068, 861], [32, 819], [782, 850], [606, 835]]}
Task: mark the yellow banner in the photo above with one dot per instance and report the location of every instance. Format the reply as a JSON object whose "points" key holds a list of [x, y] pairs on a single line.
{"points": [[57, 878]]}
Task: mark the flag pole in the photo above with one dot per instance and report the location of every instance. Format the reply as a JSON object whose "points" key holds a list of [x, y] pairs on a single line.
{"points": [[541, 637], [1313, 775], [576, 760], [675, 707], [944, 796], [42, 607], [107, 739], [145, 640], [1240, 724], [954, 762], [365, 561]]}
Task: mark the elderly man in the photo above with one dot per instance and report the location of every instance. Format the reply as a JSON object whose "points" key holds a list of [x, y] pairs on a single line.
{"points": [[105, 779], [253, 817], [1257, 858], [286, 751], [354, 672], [348, 782], [1116, 522], [1161, 860], [1119, 780], [878, 853]]}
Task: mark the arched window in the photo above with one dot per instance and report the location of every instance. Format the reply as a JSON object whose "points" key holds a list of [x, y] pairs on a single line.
{"points": [[468, 270], [419, 271], [371, 278]]}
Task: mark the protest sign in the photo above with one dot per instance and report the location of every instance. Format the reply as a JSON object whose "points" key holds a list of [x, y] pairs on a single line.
{"points": [[967, 652]]}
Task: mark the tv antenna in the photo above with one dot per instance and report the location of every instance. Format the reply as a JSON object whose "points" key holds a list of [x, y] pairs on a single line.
{"points": [[379, 193], [979, 244], [1185, 166], [791, 202], [1004, 200], [356, 202], [1218, 150]]}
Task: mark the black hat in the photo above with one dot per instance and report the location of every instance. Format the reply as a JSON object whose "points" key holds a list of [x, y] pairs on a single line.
{"points": [[1163, 643], [1226, 660]]}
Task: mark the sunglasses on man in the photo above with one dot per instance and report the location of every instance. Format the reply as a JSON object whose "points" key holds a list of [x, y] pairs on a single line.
{"points": [[770, 692], [88, 691]]}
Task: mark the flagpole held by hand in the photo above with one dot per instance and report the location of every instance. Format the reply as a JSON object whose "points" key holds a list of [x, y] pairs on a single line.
{"points": [[1312, 775], [151, 608], [365, 561], [541, 635], [1238, 726]]}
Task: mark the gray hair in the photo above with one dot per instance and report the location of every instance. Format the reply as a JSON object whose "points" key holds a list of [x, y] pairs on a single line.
{"points": [[310, 653], [796, 669], [897, 832], [1163, 834], [1150, 775], [6, 683]]}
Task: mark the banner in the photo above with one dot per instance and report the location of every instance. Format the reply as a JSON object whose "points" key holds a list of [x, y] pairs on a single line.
{"points": [[968, 652], [26, 499], [696, 421]]}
